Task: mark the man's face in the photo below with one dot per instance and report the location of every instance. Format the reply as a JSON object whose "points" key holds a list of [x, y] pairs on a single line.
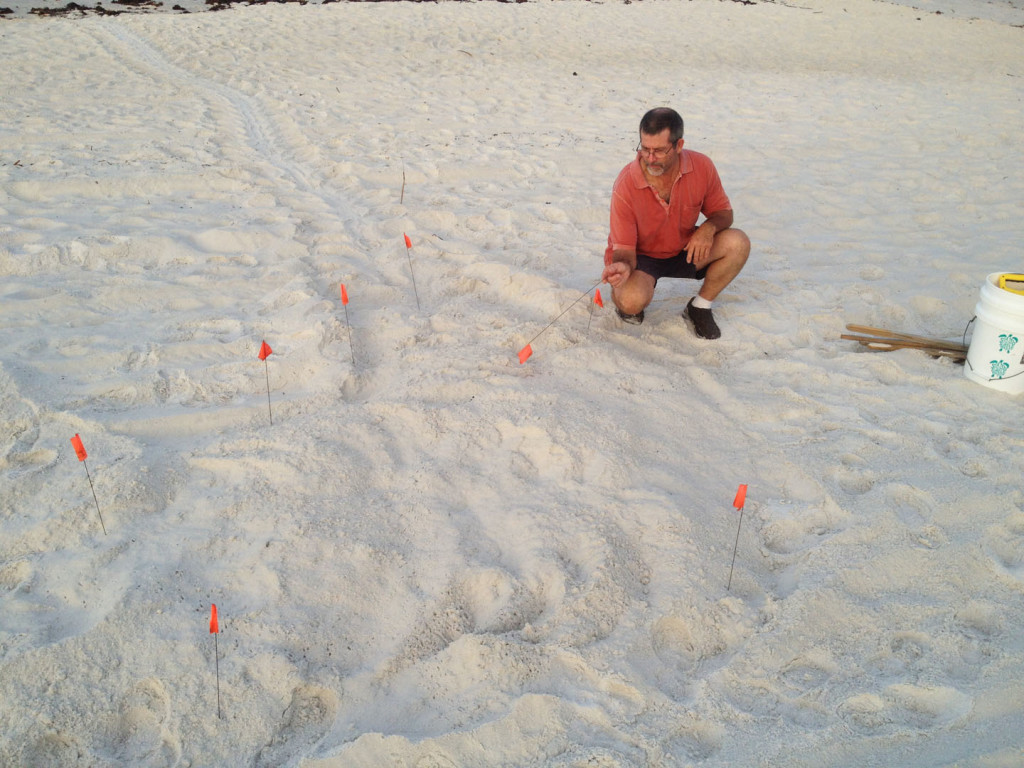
{"points": [[657, 152]]}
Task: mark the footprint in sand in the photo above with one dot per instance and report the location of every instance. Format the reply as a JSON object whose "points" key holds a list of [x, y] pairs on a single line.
{"points": [[854, 481], [691, 644], [142, 735], [1005, 545], [306, 721], [905, 654], [14, 574], [790, 529], [53, 750], [794, 691], [901, 707], [695, 739], [483, 601], [20, 449], [678, 645], [808, 671], [915, 509], [602, 578], [434, 761]]}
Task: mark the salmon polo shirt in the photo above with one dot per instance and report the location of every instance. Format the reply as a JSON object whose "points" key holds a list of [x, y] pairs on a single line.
{"points": [[642, 221]]}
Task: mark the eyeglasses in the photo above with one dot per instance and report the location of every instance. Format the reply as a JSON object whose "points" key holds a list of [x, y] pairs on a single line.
{"points": [[657, 154]]}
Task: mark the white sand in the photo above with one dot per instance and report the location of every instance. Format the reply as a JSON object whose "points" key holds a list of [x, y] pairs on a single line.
{"points": [[438, 556]]}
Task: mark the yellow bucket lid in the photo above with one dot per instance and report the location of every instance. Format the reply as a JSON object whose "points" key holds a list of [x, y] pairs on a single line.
{"points": [[1012, 283]]}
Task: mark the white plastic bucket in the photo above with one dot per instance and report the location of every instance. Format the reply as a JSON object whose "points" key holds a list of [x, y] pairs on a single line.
{"points": [[995, 357]]}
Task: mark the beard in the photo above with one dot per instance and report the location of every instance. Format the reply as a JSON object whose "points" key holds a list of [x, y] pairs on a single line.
{"points": [[655, 169]]}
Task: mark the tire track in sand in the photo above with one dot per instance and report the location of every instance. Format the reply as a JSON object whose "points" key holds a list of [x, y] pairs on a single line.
{"points": [[261, 134], [262, 141]]}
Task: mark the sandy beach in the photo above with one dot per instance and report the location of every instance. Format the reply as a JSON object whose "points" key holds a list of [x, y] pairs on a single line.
{"points": [[436, 555]]}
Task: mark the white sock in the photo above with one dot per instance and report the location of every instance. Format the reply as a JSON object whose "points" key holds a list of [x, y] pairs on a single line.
{"points": [[701, 303]]}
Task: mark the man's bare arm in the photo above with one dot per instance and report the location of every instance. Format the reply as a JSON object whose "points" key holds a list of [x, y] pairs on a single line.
{"points": [[698, 249]]}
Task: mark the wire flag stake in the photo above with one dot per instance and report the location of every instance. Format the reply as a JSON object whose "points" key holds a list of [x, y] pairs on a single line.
{"points": [[526, 351], [408, 252], [598, 301], [215, 630], [348, 325], [264, 352], [738, 502], [82, 455]]}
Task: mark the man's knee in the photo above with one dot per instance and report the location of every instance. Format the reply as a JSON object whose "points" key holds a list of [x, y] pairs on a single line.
{"points": [[635, 294], [733, 242], [630, 302], [631, 306]]}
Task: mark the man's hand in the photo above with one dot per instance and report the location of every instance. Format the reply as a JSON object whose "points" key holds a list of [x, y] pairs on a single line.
{"points": [[698, 250], [616, 273]]}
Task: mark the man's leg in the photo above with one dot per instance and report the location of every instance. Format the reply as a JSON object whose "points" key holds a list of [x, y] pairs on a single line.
{"points": [[633, 296], [729, 253]]}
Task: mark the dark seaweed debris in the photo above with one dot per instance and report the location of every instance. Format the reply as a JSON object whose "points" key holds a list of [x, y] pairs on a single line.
{"points": [[73, 8], [143, 6], [220, 5]]}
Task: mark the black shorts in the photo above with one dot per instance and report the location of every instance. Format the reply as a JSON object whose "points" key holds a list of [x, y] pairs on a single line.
{"points": [[674, 266]]}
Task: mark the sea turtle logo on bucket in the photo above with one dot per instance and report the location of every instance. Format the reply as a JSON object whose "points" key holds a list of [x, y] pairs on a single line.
{"points": [[999, 368], [1007, 341]]}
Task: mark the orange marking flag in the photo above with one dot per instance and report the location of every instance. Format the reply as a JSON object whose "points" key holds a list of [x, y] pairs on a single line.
{"points": [[597, 298], [265, 351], [344, 294], [741, 497], [214, 627], [408, 242], [525, 353], [76, 441]]}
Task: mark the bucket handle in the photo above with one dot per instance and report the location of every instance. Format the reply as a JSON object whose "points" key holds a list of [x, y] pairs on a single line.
{"points": [[968, 328]]}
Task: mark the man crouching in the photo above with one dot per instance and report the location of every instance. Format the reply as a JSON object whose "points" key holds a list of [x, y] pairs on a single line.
{"points": [[656, 201]]}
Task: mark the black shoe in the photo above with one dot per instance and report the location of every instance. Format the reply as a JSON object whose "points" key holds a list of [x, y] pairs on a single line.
{"points": [[631, 319], [703, 321]]}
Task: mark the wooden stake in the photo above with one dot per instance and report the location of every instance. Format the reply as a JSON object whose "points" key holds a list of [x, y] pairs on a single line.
{"points": [[883, 340], [872, 331]]}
